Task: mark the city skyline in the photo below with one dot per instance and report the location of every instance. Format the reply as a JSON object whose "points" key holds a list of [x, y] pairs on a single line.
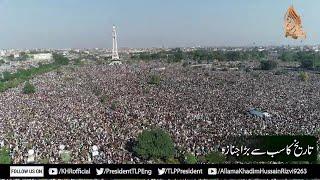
{"points": [[141, 23]]}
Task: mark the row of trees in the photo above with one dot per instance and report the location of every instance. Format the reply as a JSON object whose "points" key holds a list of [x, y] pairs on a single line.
{"points": [[268, 65], [176, 55], [307, 59]]}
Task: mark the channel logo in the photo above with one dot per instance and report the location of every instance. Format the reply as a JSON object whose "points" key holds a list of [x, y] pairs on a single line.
{"points": [[161, 171], [53, 171], [99, 171], [212, 171]]}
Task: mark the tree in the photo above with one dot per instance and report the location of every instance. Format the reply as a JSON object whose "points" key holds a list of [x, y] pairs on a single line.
{"points": [[11, 57], [23, 56], [172, 160], [60, 59], [233, 56], [114, 105], [287, 56], [44, 161], [219, 56], [2, 61], [66, 156], [78, 62], [308, 64], [154, 144], [103, 98], [6, 76], [268, 65], [97, 90], [154, 79], [5, 156], [200, 55], [185, 64], [178, 54], [302, 56], [215, 157], [29, 88], [303, 76], [190, 158], [2, 87]]}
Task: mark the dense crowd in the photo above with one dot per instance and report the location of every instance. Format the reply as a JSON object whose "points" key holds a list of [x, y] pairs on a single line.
{"points": [[198, 107]]}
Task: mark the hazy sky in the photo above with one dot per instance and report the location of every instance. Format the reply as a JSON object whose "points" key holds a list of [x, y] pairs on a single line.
{"points": [[151, 23]]}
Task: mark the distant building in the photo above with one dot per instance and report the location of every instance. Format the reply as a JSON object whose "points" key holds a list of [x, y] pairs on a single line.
{"points": [[42, 56], [2, 53], [16, 55]]}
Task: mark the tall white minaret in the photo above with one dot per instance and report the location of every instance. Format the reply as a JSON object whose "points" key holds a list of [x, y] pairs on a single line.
{"points": [[115, 55]]}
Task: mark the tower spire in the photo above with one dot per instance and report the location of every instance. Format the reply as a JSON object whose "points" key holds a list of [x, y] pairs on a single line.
{"points": [[115, 55]]}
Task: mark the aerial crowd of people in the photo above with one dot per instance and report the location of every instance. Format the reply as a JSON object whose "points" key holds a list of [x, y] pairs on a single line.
{"points": [[76, 108]]}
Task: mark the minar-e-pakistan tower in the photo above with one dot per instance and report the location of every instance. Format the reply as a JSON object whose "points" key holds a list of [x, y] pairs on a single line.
{"points": [[115, 55]]}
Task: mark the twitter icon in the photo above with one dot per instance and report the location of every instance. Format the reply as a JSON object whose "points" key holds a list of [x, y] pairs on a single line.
{"points": [[161, 171], [99, 171]]}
